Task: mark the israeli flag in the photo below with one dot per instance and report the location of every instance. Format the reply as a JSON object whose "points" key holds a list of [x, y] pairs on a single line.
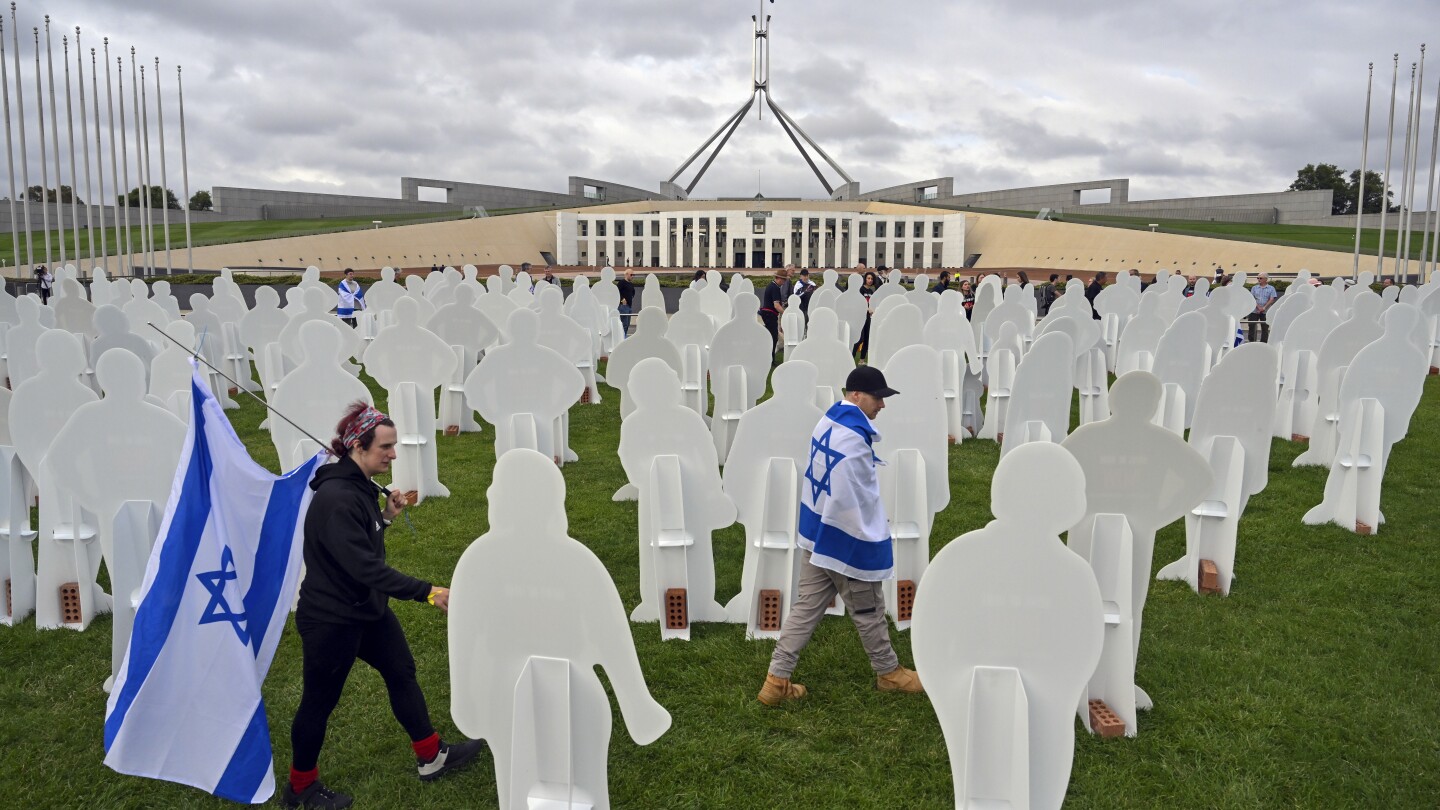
{"points": [[186, 704], [842, 520]]}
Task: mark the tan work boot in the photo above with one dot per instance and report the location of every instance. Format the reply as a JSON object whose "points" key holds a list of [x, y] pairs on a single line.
{"points": [[778, 690], [899, 680]]}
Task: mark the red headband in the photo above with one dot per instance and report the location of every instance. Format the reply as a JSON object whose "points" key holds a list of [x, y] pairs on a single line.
{"points": [[364, 423]]}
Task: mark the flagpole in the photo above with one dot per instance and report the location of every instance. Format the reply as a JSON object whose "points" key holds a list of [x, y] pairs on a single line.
{"points": [[1432, 222], [99, 162], [9, 149], [85, 152], [1407, 175], [185, 172], [44, 162], [55, 140], [124, 163], [1360, 184], [1385, 180], [70, 134], [164, 183], [148, 207], [24, 159], [139, 162]]}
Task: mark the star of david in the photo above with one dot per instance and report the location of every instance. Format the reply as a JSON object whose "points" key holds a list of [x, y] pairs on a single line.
{"points": [[820, 448], [218, 609]]}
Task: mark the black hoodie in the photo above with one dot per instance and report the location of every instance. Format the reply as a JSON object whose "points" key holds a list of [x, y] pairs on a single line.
{"points": [[346, 577]]}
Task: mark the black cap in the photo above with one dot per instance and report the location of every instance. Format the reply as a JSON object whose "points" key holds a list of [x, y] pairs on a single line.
{"points": [[868, 380]]}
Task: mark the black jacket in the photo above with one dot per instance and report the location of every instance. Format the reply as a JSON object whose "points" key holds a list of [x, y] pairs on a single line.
{"points": [[346, 577]]}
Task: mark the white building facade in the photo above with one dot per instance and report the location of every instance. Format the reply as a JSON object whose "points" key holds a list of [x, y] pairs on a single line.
{"points": [[746, 238]]}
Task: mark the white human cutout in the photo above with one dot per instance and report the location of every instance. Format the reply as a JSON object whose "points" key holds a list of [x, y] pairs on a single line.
{"points": [[66, 543], [1084, 332], [383, 294], [528, 602], [915, 479], [651, 294], [823, 349], [1140, 338], [1336, 353], [691, 323], [261, 326], [575, 343], [226, 300], [678, 511], [1182, 358], [524, 377], [714, 300], [73, 311], [315, 396], [105, 468], [170, 371], [1043, 389], [778, 428], [21, 341], [903, 325], [142, 312], [1138, 469], [1010, 310], [411, 362], [739, 364], [318, 305], [461, 323], [998, 380], [161, 296], [1006, 633], [851, 308], [1232, 431], [414, 289], [1378, 395], [648, 341], [112, 331], [1296, 300]]}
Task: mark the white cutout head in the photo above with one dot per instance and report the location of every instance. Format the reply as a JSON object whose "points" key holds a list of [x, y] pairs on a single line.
{"points": [[523, 327], [1020, 470], [121, 375]]}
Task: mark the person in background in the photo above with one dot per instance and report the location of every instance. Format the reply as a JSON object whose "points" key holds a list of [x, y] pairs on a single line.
{"points": [[550, 277], [967, 297], [1093, 291], [1022, 278], [626, 284], [351, 297], [46, 281], [804, 288], [1265, 294], [942, 283], [867, 288], [1190, 286], [344, 610], [1048, 294], [772, 305]]}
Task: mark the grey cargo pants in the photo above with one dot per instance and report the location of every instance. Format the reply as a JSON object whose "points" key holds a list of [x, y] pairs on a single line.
{"points": [[865, 602]]}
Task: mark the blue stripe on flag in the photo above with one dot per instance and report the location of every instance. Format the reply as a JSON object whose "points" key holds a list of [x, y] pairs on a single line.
{"points": [[251, 763], [272, 551], [162, 600], [846, 548]]}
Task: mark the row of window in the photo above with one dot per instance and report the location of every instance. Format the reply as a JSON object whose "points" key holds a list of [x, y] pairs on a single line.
{"points": [[637, 227]]}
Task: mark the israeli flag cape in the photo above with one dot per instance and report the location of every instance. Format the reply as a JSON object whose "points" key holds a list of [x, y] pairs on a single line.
{"points": [[842, 520], [186, 704]]}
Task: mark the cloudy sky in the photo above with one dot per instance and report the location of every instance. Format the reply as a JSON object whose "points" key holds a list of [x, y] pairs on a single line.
{"points": [[1183, 98]]}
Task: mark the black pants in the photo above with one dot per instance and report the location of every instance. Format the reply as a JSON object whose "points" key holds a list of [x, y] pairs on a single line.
{"points": [[772, 323], [862, 346], [330, 651]]}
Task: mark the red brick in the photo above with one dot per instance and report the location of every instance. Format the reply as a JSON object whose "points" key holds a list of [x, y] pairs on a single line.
{"points": [[1296, 437], [585, 396], [1209, 577], [1105, 722], [412, 497], [1364, 528], [452, 430], [904, 599], [70, 603], [677, 615], [769, 618], [9, 605]]}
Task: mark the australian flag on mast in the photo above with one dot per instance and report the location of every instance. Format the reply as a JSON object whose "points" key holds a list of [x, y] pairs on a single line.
{"points": [[186, 704]]}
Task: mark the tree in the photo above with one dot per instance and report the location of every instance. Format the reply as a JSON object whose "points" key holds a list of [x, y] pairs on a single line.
{"points": [[65, 194], [132, 200], [1328, 176], [1322, 177], [201, 201]]}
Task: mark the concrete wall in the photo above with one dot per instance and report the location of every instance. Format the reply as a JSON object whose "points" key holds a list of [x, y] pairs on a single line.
{"points": [[261, 203], [911, 192], [1282, 207], [458, 193], [610, 192], [1034, 198]]}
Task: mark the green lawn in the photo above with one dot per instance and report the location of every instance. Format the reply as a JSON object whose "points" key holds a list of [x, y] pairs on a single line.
{"points": [[1313, 685]]}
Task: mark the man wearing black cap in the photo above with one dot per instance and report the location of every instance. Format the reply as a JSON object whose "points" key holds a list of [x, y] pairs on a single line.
{"points": [[845, 542]]}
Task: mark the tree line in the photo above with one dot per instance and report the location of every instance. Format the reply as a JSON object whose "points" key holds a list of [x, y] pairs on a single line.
{"points": [[1321, 176], [199, 201]]}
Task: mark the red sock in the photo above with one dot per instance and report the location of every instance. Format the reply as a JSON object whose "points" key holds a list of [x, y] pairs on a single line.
{"points": [[299, 780], [428, 748]]}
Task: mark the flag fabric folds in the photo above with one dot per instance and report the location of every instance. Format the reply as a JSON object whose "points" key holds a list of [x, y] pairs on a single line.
{"points": [[186, 704], [842, 520]]}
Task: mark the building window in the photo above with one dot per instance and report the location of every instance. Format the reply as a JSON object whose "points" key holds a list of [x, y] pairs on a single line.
{"points": [[937, 230], [864, 229], [584, 227], [879, 230], [918, 232], [637, 227], [599, 227], [654, 227], [619, 227], [757, 225]]}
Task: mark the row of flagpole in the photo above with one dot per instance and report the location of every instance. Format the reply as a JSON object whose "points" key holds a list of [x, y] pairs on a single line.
{"points": [[1429, 225], [124, 248]]}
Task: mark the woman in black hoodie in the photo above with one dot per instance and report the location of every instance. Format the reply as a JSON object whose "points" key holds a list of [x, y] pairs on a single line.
{"points": [[344, 611]]}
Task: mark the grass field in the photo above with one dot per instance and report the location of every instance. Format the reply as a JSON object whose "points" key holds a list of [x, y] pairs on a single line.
{"points": [[1313, 685]]}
